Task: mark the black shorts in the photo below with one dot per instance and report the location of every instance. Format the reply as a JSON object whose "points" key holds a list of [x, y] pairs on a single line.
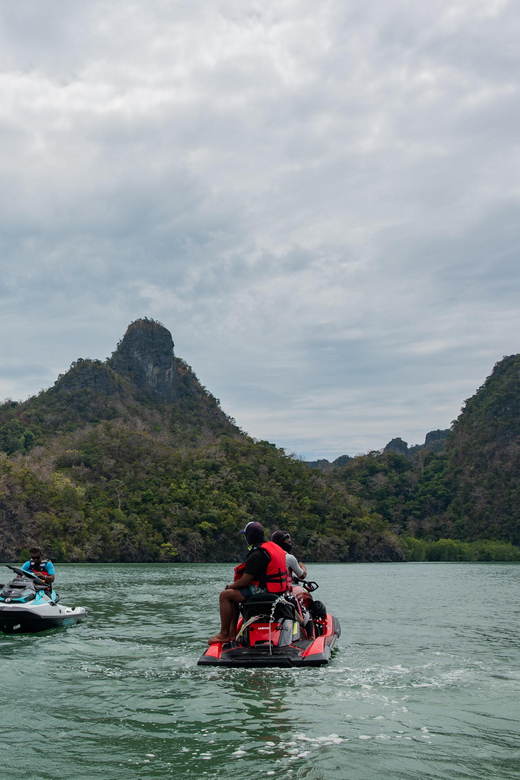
{"points": [[251, 590]]}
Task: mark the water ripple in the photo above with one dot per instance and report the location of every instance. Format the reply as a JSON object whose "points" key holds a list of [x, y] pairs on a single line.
{"points": [[424, 683]]}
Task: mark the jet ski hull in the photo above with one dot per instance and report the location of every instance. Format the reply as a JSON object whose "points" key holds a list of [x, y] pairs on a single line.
{"points": [[301, 653], [27, 605], [16, 619]]}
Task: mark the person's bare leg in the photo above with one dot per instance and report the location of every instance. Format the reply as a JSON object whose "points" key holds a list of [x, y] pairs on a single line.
{"points": [[229, 601], [233, 622]]}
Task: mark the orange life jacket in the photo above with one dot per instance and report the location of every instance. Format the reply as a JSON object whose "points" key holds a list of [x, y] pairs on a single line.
{"points": [[276, 578]]}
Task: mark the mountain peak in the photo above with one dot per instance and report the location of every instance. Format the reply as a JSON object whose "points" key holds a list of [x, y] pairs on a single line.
{"points": [[145, 355]]}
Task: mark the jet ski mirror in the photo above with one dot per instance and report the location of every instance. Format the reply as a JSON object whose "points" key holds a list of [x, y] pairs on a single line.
{"points": [[310, 586]]}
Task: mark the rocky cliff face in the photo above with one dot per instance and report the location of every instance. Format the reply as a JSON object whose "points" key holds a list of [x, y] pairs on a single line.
{"points": [[397, 445], [145, 356], [436, 440]]}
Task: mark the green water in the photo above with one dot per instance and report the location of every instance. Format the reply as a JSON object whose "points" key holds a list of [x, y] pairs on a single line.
{"points": [[424, 684]]}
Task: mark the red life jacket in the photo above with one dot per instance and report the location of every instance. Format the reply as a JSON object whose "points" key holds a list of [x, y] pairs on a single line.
{"points": [[276, 578]]}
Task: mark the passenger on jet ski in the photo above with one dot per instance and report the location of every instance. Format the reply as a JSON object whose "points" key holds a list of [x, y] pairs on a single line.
{"points": [[264, 569], [40, 566], [296, 569]]}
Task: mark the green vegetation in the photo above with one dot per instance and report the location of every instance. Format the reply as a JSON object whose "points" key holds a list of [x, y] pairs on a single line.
{"points": [[453, 550], [466, 494], [412, 495], [134, 460], [483, 458], [111, 493]]}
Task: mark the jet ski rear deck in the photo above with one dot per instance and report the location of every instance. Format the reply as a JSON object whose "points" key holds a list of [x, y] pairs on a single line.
{"points": [[278, 632], [304, 652]]}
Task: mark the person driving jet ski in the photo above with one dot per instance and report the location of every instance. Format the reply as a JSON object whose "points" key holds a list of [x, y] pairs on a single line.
{"points": [[264, 570], [40, 566], [296, 568]]}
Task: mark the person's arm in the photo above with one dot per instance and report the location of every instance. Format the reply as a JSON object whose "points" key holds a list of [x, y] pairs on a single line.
{"points": [[48, 575], [299, 569], [255, 563], [242, 582]]}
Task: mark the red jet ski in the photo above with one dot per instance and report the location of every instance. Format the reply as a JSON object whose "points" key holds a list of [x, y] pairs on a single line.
{"points": [[284, 631]]}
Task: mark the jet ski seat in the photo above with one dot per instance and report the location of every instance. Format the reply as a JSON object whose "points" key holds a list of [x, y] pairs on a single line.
{"points": [[262, 604]]}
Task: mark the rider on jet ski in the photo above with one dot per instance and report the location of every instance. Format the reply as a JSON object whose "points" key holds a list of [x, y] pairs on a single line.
{"points": [[296, 569], [264, 570], [40, 566]]}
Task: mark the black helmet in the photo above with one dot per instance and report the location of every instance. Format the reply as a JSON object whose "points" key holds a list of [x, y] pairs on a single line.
{"points": [[254, 533]]}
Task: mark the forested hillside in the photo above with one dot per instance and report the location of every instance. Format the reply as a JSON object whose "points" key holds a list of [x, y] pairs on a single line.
{"points": [[131, 459], [467, 492], [483, 459]]}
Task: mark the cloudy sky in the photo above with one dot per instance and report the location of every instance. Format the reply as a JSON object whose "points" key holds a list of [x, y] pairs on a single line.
{"points": [[318, 200]]}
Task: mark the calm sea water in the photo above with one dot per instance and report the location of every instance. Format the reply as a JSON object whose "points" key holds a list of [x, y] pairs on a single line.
{"points": [[424, 684]]}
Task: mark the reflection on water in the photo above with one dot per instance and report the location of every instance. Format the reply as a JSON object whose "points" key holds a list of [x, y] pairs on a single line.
{"points": [[424, 683]]}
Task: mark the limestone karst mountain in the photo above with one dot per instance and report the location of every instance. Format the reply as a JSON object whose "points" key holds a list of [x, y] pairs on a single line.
{"points": [[146, 359], [142, 380], [132, 459]]}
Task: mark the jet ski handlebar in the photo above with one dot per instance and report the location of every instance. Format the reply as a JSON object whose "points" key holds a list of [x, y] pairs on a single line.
{"points": [[23, 573]]}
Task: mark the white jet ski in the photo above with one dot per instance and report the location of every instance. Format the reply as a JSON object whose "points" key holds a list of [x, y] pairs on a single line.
{"points": [[28, 605]]}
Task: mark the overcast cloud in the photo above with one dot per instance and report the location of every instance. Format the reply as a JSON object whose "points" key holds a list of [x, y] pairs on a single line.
{"points": [[318, 200]]}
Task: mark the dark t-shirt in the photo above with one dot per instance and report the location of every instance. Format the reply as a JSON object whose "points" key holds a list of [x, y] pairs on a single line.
{"points": [[256, 564]]}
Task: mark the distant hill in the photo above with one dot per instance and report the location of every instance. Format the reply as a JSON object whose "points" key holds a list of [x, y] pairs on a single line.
{"points": [[132, 459], [462, 484], [326, 465], [434, 441]]}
